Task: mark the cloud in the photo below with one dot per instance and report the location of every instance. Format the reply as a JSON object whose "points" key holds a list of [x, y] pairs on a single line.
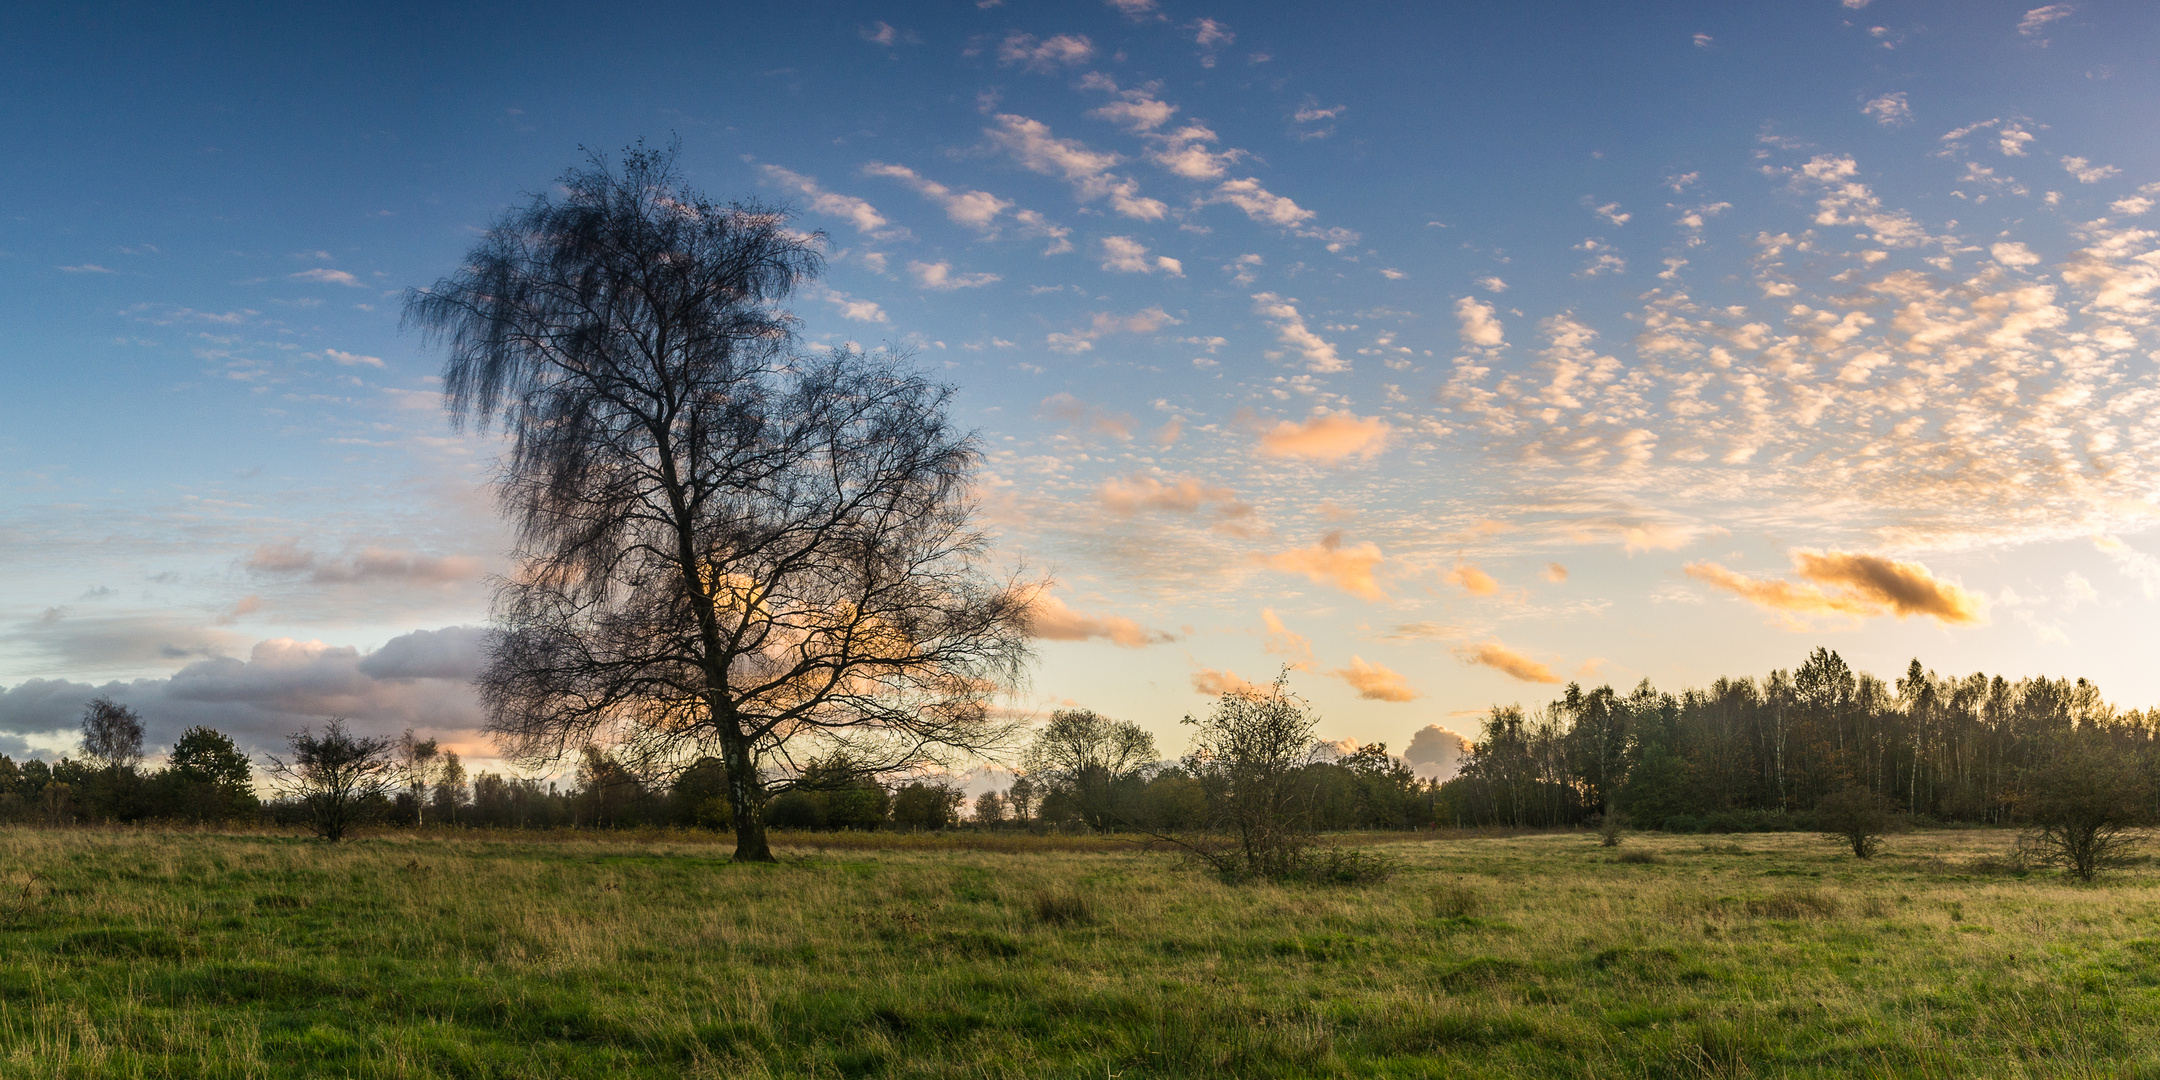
{"points": [[1327, 437], [1137, 10], [367, 565], [422, 679], [939, 277], [1889, 110], [352, 359], [1435, 753], [851, 307], [1178, 494], [975, 209], [1290, 329], [1492, 284], [91, 268], [1063, 50], [2037, 19], [1210, 36], [1051, 620], [1703, 41], [2087, 172], [1507, 661], [1075, 413], [880, 33], [1474, 581], [1282, 641], [848, 208], [1330, 563], [1103, 323], [1031, 144], [1125, 255], [326, 276], [1259, 203], [1859, 585], [1184, 152], [1215, 683], [1480, 324], [1374, 682], [1555, 573]]}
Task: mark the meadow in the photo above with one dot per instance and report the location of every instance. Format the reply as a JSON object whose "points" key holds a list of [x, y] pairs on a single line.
{"points": [[478, 954]]}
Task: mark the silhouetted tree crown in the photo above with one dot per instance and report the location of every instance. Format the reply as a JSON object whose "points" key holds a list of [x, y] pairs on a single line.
{"points": [[727, 546]]}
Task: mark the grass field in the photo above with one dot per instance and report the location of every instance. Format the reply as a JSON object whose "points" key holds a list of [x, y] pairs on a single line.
{"points": [[176, 954]]}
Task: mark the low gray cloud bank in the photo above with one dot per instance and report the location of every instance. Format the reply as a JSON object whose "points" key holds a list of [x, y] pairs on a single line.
{"points": [[422, 680]]}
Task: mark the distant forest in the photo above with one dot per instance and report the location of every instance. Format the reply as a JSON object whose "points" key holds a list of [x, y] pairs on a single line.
{"points": [[1742, 755]]}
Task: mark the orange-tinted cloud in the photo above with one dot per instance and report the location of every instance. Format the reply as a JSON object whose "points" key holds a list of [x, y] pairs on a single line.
{"points": [[1327, 437], [1282, 641], [1051, 620], [1555, 573], [1474, 581], [1330, 563], [1181, 494], [1215, 683], [1846, 583], [1500, 658], [1375, 682]]}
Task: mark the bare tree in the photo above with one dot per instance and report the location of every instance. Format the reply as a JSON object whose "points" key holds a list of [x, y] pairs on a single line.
{"points": [[726, 546], [419, 764], [1086, 754], [336, 776], [112, 734]]}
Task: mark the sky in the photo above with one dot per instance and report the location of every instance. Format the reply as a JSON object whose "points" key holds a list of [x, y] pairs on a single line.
{"points": [[1441, 353]]}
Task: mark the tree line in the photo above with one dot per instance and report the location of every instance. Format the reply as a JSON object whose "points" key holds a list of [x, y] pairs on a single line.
{"points": [[1763, 753]]}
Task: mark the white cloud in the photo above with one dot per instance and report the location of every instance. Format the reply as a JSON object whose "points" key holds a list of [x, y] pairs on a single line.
{"points": [[848, 208], [1259, 203], [939, 277], [1889, 110], [851, 307], [1137, 10], [1703, 41], [352, 359], [1480, 326], [327, 276], [1032, 145], [2037, 19], [1125, 255], [92, 268], [1492, 284], [2087, 172], [1320, 356], [975, 209], [1078, 340], [1211, 36], [1063, 50], [1609, 211]]}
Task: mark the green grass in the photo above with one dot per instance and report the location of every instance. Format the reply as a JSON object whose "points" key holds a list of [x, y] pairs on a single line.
{"points": [[188, 954]]}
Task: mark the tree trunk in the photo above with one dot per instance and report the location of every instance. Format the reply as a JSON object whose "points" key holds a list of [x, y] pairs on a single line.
{"points": [[746, 796]]}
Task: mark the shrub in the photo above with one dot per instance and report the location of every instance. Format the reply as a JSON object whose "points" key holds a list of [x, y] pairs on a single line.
{"points": [[1855, 816], [2081, 806]]}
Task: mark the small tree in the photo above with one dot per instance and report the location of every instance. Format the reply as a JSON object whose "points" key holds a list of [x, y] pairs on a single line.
{"points": [[926, 804], [1021, 799], [112, 735], [1247, 755], [1087, 755], [989, 808], [2081, 806], [336, 777], [208, 778], [1855, 816], [419, 763]]}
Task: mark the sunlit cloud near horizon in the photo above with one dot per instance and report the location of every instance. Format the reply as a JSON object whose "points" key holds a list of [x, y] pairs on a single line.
{"points": [[1434, 359]]}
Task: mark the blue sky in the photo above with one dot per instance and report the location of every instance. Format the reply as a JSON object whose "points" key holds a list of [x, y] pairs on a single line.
{"points": [[1440, 351]]}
